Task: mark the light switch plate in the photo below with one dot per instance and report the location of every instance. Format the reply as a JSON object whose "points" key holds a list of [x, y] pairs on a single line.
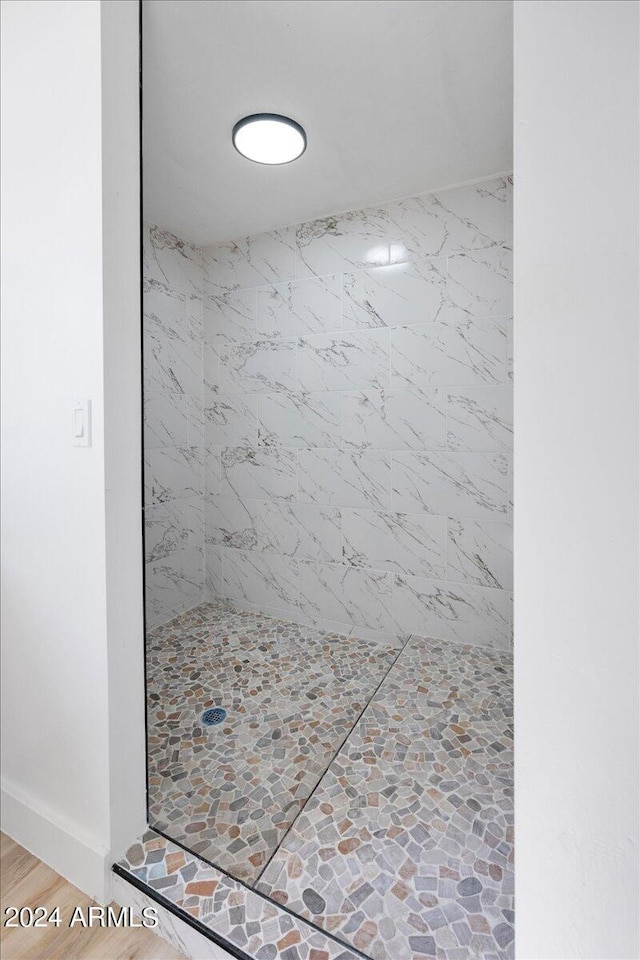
{"points": [[81, 423]]}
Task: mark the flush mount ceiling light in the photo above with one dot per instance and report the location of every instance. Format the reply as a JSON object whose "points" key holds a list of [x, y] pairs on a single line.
{"points": [[269, 138]]}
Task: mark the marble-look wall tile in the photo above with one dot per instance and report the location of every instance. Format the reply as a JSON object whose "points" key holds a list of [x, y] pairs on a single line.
{"points": [[210, 267], [403, 543], [212, 471], [480, 419], [211, 368], [347, 361], [171, 261], [258, 367], [165, 420], [174, 378], [480, 284], [174, 583], [449, 221], [343, 242], [342, 478], [481, 552], [452, 354], [300, 308], [231, 421], [178, 316], [173, 473], [452, 611], [171, 526], [302, 530], [195, 421], [261, 578], [411, 419], [172, 365], [451, 484], [344, 389], [299, 420], [347, 594], [256, 261], [213, 582], [259, 473], [231, 522], [399, 294], [229, 317]]}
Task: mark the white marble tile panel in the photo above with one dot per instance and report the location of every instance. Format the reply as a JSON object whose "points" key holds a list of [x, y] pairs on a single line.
{"points": [[231, 522], [259, 473], [229, 317], [167, 312], [452, 611], [449, 221], [258, 260], [256, 367], [347, 361], [480, 284], [213, 571], [400, 542], [481, 552], [173, 473], [301, 307], [170, 261], [212, 470], [299, 420], [347, 594], [195, 421], [165, 420], [345, 479], [344, 242], [480, 419], [412, 419], [210, 267], [470, 485], [211, 369], [166, 528], [303, 530], [454, 354], [172, 366], [399, 294], [261, 578], [231, 421], [176, 581]]}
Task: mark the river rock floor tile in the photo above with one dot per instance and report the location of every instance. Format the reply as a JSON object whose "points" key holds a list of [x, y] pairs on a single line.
{"points": [[365, 787], [292, 694], [405, 849]]}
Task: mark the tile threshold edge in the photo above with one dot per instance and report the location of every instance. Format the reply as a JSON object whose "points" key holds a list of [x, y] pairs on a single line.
{"points": [[180, 914], [347, 950]]}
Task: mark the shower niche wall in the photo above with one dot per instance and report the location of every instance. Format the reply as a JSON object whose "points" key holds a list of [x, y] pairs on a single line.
{"points": [[328, 521]]}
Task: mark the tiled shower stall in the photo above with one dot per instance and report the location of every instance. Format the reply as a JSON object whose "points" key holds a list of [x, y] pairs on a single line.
{"points": [[328, 419], [328, 433]]}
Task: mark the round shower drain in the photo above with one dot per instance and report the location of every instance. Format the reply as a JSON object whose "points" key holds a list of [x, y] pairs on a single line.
{"points": [[213, 716]]}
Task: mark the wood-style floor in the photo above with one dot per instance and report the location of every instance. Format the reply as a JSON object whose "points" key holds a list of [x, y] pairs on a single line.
{"points": [[27, 882]]}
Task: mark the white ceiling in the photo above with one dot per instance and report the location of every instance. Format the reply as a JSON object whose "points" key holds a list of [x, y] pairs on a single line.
{"points": [[397, 97]]}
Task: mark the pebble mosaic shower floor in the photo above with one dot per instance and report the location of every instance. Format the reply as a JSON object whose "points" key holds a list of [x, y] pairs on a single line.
{"points": [[365, 786]]}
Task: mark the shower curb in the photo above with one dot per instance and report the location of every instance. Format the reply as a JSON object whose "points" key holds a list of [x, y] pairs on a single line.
{"points": [[201, 905]]}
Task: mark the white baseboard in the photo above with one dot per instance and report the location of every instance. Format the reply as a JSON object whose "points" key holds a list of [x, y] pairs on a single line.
{"points": [[80, 860]]}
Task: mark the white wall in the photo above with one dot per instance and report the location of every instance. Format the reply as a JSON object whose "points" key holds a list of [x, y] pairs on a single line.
{"points": [[72, 636], [576, 478]]}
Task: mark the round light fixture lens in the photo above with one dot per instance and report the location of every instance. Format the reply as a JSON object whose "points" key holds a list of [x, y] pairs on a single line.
{"points": [[269, 138]]}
